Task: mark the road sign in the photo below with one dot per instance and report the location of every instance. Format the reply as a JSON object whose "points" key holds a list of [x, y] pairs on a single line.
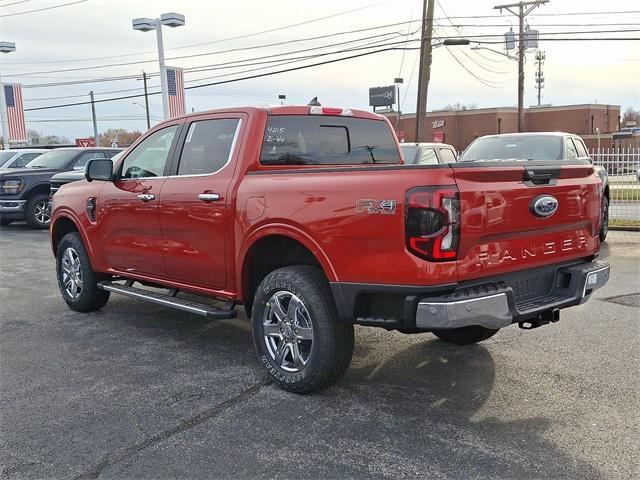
{"points": [[85, 142]]}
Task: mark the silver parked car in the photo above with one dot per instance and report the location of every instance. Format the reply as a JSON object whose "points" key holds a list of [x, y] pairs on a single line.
{"points": [[427, 153], [18, 158]]}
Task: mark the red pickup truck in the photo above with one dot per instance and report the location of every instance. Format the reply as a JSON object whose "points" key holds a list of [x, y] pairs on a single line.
{"points": [[308, 217]]}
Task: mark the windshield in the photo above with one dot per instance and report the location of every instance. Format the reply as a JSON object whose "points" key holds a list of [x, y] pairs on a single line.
{"points": [[514, 147], [52, 159], [410, 152], [4, 156]]}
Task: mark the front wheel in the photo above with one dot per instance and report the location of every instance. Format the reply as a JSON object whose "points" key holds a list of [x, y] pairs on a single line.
{"points": [[38, 213], [465, 335], [77, 281], [604, 229], [296, 331]]}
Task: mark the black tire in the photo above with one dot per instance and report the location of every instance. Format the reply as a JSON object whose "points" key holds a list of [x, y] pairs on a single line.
{"points": [[89, 297], [33, 214], [465, 335], [604, 229], [330, 350], [5, 221]]}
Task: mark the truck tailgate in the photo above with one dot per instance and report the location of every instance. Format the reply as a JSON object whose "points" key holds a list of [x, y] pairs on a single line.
{"points": [[501, 231]]}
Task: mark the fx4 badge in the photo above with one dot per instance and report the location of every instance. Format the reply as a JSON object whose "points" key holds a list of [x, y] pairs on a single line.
{"points": [[374, 207]]}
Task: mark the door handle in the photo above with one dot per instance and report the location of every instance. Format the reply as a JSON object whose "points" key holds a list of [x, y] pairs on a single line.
{"points": [[209, 197], [146, 197]]}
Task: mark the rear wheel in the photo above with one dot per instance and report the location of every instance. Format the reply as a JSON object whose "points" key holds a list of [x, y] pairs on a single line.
{"points": [[296, 332], [604, 229], [78, 283], [465, 335], [38, 213]]}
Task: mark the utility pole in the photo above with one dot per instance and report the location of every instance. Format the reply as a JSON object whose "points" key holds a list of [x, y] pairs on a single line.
{"points": [[523, 9], [93, 116], [424, 73], [540, 56], [146, 98]]}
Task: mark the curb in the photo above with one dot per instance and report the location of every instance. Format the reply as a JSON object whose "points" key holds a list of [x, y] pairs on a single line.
{"points": [[624, 228]]}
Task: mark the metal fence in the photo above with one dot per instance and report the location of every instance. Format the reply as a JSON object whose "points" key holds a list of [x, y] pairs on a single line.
{"points": [[623, 167]]}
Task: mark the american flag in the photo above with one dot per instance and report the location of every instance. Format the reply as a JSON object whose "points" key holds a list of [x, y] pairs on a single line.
{"points": [[175, 87], [15, 113]]}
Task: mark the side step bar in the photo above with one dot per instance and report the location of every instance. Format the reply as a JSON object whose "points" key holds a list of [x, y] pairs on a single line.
{"points": [[169, 301]]}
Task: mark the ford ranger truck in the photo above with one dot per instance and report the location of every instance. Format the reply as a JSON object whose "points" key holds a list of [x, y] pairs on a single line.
{"points": [[307, 216]]}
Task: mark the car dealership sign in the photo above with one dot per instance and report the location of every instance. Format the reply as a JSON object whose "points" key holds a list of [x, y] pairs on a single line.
{"points": [[382, 96]]}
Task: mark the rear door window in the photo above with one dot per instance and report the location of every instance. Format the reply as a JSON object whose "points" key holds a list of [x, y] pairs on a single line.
{"points": [[327, 140], [448, 155], [571, 150], [207, 147], [428, 157], [582, 151]]}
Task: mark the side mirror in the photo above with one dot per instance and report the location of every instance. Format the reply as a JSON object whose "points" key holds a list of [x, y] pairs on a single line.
{"points": [[99, 169]]}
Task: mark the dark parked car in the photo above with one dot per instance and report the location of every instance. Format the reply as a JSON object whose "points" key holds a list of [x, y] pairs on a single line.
{"points": [[539, 146], [24, 192]]}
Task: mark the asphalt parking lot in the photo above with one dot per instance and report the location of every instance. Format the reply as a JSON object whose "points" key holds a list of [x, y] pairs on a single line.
{"points": [[140, 391]]}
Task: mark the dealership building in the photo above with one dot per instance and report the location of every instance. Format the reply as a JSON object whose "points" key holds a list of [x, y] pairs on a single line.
{"points": [[593, 122]]}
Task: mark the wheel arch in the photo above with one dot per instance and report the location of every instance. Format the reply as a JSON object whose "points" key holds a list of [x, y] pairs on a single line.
{"points": [[37, 189], [274, 248], [60, 226]]}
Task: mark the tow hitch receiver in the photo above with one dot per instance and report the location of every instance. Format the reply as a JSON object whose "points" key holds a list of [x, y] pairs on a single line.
{"points": [[550, 316]]}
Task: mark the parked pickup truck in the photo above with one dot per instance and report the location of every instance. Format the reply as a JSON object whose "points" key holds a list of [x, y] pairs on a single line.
{"points": [[307, 217], [24, 192]]}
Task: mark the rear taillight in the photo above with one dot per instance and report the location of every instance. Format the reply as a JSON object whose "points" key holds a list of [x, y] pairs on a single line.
{"points": [[432, 222]]}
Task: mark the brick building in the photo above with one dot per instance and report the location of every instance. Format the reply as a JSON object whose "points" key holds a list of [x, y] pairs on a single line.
{"points": [[460, 127]]}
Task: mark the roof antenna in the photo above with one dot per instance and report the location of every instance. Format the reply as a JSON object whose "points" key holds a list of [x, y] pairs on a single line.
{"points": [[314, 102]]}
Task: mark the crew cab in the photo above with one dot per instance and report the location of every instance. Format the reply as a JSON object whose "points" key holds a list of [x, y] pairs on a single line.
{"points": [[540, 146], [307, 217], [24, 192]]}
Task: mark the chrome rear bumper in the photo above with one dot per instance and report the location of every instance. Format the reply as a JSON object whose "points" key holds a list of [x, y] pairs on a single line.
{"points": [[499, 308]]}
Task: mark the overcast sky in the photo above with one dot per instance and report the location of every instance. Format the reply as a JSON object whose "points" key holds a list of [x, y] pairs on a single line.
{"points": [[80, 35]]}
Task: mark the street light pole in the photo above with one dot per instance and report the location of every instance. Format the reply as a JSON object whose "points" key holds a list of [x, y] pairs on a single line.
{"points": [[398, 81], [147, 24], [163, 73], [5, 47]]}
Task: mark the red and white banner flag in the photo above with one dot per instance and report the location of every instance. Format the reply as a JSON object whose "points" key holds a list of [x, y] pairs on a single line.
{"points": [[15, 112], [175, 88]]}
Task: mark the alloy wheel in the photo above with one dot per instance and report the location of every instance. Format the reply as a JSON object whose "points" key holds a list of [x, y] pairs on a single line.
{"points": [[42, 212], [71, 273], [288, 331]]}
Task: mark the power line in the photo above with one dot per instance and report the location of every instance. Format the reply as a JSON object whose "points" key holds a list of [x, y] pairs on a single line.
{"points": [[313, 48], [254, 47], [197, 68], [42, 9], [126, 97], [284, 27], [14, 3]]}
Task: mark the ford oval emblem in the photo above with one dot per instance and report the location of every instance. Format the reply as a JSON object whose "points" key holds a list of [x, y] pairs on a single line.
{"points": [[544, 206]]}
